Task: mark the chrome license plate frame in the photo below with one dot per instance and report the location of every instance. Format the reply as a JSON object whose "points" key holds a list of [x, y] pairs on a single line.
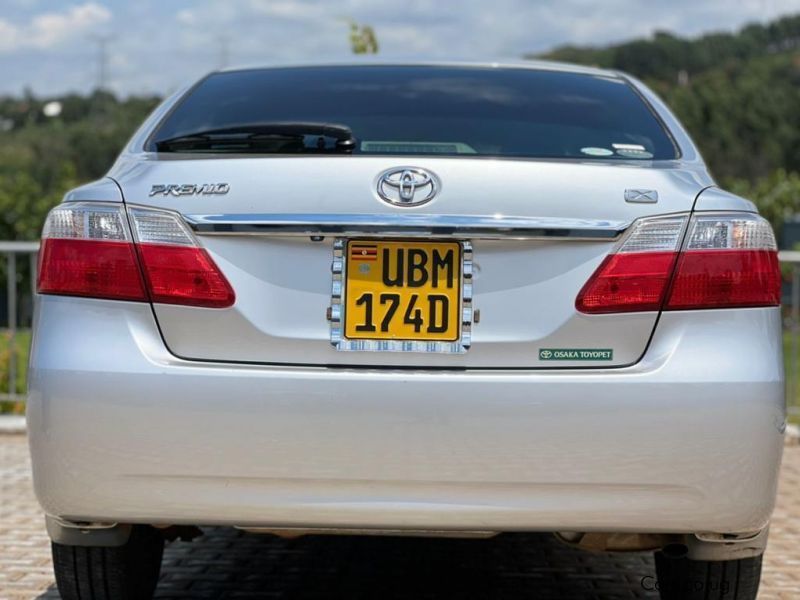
{"points": [[338, 306]]}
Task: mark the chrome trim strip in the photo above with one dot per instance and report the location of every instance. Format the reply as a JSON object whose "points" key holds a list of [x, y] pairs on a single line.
{"points": [[403, 225], [466, 296], [337, 289], [340, 342]]}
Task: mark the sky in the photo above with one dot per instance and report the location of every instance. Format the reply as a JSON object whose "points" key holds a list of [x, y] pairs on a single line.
{"points": [[157, 46]]}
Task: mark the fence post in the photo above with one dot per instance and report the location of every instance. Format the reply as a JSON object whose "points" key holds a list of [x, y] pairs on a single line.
{"points": [[11, 274], [33, 257], [793, 353]]}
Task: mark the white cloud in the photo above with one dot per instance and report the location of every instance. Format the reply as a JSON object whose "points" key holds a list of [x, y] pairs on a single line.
{"points": [[186, 17], [166, 43], [48, 30], [288, 9], [311, 29]]}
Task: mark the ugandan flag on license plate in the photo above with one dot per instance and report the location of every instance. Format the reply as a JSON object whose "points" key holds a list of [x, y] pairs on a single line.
{"points": [[363, 252]]}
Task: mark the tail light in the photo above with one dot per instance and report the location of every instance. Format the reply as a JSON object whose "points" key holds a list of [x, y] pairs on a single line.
{"points": [[635, 277], [727, 261], [722, 260], [88, 249], [176, 269]]}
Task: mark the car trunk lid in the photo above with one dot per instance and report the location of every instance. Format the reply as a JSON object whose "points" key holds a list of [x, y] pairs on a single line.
{"points": [[535, 231]]}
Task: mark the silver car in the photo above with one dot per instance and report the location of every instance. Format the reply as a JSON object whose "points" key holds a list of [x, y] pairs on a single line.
{"points": [[452, 299]]}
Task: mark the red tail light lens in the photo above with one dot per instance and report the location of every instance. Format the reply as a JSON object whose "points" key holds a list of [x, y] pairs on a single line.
{"points": [[726, 279], [727, 260], [627, 282], [89, 250], [180, 275], [98, 269]]}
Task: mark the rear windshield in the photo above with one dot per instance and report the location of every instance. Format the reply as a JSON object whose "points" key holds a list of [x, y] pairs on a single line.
{"points": [[429, 110]]}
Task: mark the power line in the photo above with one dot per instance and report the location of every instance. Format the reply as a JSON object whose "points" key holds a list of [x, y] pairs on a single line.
{"points": [[102, 59], [224, 51]]}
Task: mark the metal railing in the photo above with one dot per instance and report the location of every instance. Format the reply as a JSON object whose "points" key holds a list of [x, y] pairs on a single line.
{"points": [[791, 325], [14, 250]]}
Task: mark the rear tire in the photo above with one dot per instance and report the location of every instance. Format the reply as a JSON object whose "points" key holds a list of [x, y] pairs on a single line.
{"points": [[682, 579], [127, 572]]}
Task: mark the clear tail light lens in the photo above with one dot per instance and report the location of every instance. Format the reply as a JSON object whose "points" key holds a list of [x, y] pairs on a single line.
{"points": [[727, 260], [89, 250]]}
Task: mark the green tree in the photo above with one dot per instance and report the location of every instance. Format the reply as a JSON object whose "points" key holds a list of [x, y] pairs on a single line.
{"points": [[738, 94], [363, 39], [42, 157], [776, 195]]}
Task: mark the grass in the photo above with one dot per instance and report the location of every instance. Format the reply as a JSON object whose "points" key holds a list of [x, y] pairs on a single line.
{"points": [[792, 403], [23, 340]]}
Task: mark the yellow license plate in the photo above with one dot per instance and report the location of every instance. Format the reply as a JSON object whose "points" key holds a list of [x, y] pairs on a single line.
{"points": [[405, 290]]}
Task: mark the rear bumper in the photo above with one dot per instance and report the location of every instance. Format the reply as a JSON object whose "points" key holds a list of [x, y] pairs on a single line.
{"points": [[688, 440]]}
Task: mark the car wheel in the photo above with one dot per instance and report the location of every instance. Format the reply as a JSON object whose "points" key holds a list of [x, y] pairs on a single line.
{"points": [[680, 578], [127, 572]]}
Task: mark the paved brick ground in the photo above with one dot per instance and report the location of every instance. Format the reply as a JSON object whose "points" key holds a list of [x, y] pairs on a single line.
{"points": [[229, 564]]}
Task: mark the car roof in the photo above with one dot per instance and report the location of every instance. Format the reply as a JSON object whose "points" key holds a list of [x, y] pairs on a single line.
{"points": [[514, 63]]}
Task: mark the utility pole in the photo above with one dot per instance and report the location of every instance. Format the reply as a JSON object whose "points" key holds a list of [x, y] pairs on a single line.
{"points": [[102, 59], [224, 51]]}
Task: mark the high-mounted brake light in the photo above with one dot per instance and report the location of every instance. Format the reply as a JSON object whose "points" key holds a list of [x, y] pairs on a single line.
{"points": [[727, 260], [89, 250]]}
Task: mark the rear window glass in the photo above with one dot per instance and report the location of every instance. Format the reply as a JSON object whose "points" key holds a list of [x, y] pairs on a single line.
{"points": [[429, 110]]}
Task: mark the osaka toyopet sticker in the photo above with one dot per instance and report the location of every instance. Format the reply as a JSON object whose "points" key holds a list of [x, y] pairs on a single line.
{"points": [[576, 354]]}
